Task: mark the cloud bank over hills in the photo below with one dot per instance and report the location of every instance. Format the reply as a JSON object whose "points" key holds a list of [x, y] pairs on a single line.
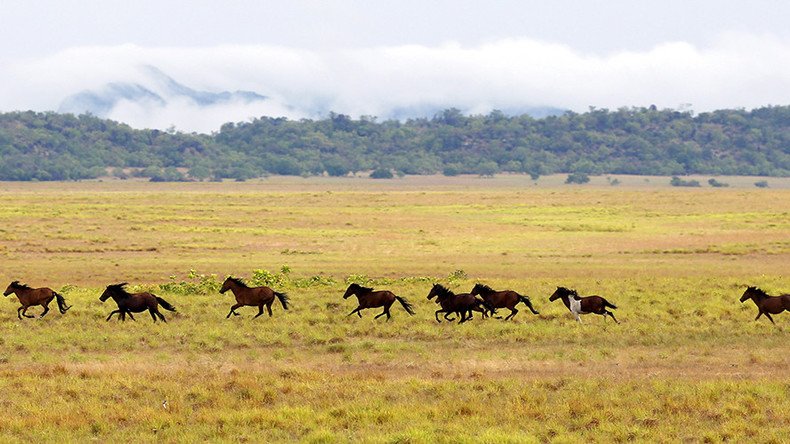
{"points": [[199, 88]]}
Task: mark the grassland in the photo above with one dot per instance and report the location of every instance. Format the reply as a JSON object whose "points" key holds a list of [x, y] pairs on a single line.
{"points": [[687, 363]]}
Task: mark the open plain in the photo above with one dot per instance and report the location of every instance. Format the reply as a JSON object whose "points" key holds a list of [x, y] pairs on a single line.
{"points": [[687, 363]]}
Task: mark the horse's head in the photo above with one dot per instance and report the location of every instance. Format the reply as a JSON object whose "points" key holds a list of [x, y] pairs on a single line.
{"points": [[477, 289], [11, 287], [351, 290], [434, 291], [225, 285], [111, 290], [559, 293], [440, 291], [750, 293]]}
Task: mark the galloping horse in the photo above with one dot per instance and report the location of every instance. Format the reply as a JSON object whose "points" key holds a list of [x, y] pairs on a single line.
{"points": [[34, 296], [371, 299], [462, 304], [583, 304], [767, 305], [254, 296], [502, 299], [129, 303]]}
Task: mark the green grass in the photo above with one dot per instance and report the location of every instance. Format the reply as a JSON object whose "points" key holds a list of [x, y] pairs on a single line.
{"points": [[687, 363]]}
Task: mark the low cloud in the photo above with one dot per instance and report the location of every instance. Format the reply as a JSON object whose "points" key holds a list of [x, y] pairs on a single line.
{"points": [[513, 74]]}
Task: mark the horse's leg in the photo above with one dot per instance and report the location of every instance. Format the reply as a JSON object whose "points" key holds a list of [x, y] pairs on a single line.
{"points": [[578, 318], [260, 311], [131, 316], [161, 316], [770, 318], [436, 315], [46, 310], [447, 316], [356, 310], [269, 307], [513, 312], [152, 313], [612, 315], [24, 312], [233, 310], [758, 315], [112, 313], [19, 312], [381, 314]]}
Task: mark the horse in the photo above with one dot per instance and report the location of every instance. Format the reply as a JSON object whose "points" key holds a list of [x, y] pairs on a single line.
{"points": [[252, 296], [371, 299], [129, 303], [35, 296], [502, 299], [767, 305], [583, 304], [462, 304]]}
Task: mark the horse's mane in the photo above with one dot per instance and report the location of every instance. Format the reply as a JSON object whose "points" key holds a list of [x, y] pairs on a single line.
{"points": [[569, 291], [758, 291], [119, 289], [443, 291], [238, 282], [364, 289], [16, 284], [485, 288]]}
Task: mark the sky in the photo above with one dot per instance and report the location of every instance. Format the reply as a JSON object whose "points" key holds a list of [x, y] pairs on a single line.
{"points": [[393, 58]]}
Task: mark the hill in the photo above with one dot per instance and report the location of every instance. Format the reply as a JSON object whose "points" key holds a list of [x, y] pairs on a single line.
{"points": [[53, 146]]}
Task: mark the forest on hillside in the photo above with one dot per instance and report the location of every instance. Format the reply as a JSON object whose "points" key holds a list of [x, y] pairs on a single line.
{"points": [[650, 141]]}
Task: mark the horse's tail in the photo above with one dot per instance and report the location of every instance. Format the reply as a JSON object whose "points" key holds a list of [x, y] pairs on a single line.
{"points": [[166, 305], [528, 303], [608, 304], [283, 297], [61, 303], [406, 305]]}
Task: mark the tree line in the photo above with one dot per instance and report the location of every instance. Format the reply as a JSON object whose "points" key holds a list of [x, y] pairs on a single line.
{"points": [[650, 141]]}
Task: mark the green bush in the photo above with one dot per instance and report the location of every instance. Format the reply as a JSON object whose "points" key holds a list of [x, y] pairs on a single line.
{"points": [[578, 178], [381, 173]]}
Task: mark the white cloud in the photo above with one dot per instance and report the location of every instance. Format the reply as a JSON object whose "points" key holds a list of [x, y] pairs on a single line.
{"points": [[735, 71]]}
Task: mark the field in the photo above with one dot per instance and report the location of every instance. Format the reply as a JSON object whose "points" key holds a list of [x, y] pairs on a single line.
{"points": [[687, 363]]}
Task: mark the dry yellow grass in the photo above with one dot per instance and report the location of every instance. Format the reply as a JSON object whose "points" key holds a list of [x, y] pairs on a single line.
{"points": [[687, 363]]}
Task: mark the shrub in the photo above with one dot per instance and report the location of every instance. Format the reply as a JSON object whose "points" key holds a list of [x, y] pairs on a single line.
{"points": [[761, 184], [578, 178], [381, 173], [678, 182], [716, 184]]}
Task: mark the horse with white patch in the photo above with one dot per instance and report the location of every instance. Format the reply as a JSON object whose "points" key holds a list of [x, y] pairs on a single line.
{"points": [[579, 305]]}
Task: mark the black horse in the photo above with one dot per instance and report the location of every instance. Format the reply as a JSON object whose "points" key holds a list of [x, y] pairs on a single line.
{"points": [[463, 304], [129, 303]]}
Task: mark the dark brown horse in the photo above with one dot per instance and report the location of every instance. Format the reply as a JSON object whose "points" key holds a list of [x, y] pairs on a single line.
{"points": [[502, 299], [767, 305], [29, 297], [371, 299], [462, 304], [252, 296], [129, 303], [579, 305]]}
